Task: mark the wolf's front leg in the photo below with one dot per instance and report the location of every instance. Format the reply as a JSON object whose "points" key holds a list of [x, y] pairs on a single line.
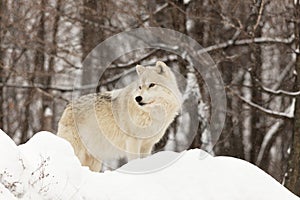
{"points": [[146, 150], [88, 160], [133, 147]]}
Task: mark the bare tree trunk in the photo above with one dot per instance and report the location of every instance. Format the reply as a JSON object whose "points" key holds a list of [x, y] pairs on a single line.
{"points": [[39, 65], [237, 127], [231, 142], [1, 66], [293, 170], [48, 103], [93, 34], [179, 16], [52, 59], [24, 122], [257, 132], [226, 144]]}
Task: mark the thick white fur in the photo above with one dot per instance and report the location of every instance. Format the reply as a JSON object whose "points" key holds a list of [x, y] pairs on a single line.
{"points": [[112, 125]]}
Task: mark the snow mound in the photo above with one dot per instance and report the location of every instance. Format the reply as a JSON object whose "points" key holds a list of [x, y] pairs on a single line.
{"points": [[46, 168]]}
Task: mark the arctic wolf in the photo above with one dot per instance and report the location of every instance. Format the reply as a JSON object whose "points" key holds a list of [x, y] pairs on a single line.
{"points": [[122, 123]]}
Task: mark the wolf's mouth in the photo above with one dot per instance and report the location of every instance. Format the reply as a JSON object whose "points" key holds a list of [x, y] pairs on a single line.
{"points": [[142, 103]]}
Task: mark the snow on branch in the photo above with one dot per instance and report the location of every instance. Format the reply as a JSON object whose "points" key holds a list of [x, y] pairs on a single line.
{"points": [[275, 114], [248, 41], [279, 92]]}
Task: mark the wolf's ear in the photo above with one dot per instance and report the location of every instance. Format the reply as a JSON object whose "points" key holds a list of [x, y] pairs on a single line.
{"points": [[140, 69], [161, 68]]}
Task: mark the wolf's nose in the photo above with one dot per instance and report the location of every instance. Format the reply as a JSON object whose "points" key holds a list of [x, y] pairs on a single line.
{"points": [[138, 99]]}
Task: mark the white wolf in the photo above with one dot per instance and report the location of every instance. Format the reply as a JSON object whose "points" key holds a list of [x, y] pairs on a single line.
{"points": [[125, 122]]}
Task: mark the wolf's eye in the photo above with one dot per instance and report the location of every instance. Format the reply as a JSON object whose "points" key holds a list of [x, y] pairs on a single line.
{"points": [[140, 87], [151, 85]]}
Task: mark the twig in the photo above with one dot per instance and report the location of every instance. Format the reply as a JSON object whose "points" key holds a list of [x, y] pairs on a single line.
{"points": [[177, 7], [261, 8], [117, 77], [130, 64], [49, 95], [146, 18]]}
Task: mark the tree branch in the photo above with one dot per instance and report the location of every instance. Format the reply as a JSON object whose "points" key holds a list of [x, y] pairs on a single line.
{"points": [[243, 42], [130, 64], [269, 138], [280, 92], [268, 141], [272, 113], [146, 18], [261, 8], [61, 89]]}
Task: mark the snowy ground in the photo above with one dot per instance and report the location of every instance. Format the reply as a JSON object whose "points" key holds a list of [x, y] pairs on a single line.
{"points": [[46, 168]]}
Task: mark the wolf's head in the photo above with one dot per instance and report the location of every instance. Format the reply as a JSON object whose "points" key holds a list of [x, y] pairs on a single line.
{"points": [[157, 86]]}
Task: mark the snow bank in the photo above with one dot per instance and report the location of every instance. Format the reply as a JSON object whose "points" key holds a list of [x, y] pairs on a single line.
{"points": [[46, 168]]}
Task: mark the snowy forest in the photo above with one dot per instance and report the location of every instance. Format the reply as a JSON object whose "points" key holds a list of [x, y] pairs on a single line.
{"points": [[255, 45]]}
